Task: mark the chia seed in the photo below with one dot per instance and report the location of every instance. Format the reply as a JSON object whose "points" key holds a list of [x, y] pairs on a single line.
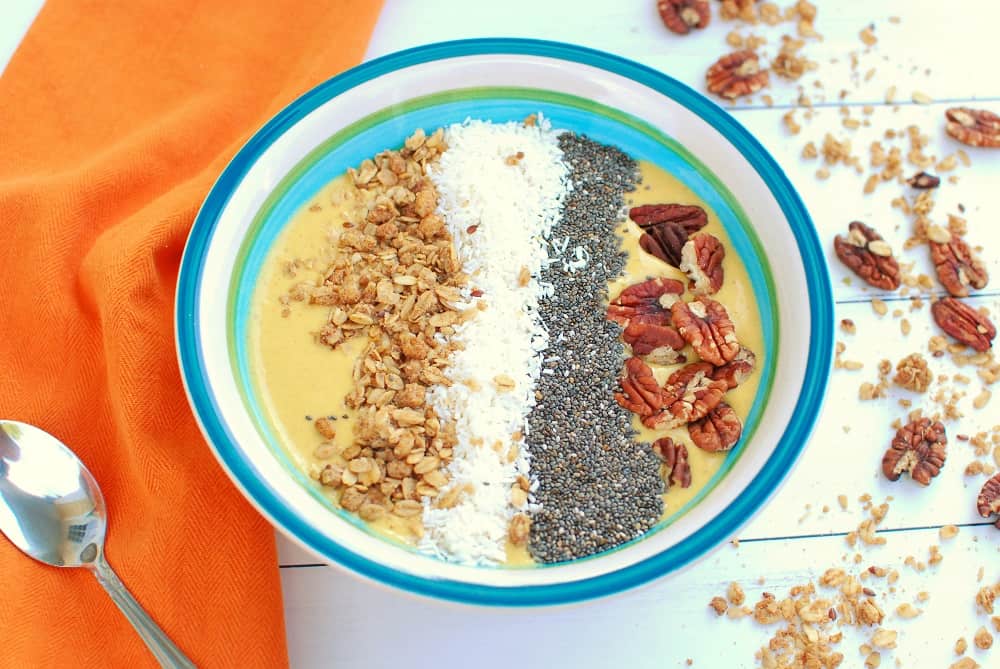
{"points": [[598, 488]]}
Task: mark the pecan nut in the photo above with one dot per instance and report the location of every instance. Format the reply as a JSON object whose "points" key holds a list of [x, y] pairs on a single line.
{"points": [[868, 255], [957, 266], [963, 323], [705, 324], [666, 228], [924, 181], [689, 216], [688, 395], [736, 74], [719, 430], [675, 461], [974, 127], [919, 448], [646, 302], [658, 344], [680, 16], [737, 370], [701, 260], [988, 501], [640, 394]]}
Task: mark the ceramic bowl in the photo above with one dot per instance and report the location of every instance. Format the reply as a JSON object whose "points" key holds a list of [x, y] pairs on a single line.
{"points": [[375, 106]]}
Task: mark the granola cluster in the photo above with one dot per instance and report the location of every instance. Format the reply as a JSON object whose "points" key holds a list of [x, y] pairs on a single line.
{"points": [[811, 619]]}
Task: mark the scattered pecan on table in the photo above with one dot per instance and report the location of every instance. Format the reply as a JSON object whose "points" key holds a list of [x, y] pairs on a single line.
{"points": [[918, 448], [868, 255], [666, 228], [736, 74], [705, 324], [701, 260], [688, 395], [719, 430], [963, 323], [956, 265], [640, 394], [737, 370], [675, 459], [924, 181], [658, 344], [974, 127], [646, 302], [680, 16], [988, 501]]}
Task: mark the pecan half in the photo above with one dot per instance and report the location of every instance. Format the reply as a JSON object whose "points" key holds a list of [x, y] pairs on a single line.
{"points": [[690, 216], [719, 430], [957, 267], [646, 302], [963, 323], [666, 228], [988, 501], [701, 260], [689, 394], [975, 127], [737, 370], [736, 74], [675, 460], [705, 324], [640, 394], [868, 255], [658, 344], [680, 16], [924, 181], [918, 448]]}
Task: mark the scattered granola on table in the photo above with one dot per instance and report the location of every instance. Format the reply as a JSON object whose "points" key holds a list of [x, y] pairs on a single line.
{"points": [[913, 374]]}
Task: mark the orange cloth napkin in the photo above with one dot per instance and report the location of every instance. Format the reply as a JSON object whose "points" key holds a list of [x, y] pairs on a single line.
{"points": [[115, 119]]}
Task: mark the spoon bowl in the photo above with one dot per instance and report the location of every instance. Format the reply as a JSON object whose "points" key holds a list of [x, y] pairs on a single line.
{"points": [[52, 509]]}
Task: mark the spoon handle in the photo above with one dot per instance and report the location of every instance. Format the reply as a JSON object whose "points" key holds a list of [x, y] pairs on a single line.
{"points": [[166, 653]]}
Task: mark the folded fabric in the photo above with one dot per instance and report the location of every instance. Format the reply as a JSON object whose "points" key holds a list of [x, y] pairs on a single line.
{"points": [[115, 119]]}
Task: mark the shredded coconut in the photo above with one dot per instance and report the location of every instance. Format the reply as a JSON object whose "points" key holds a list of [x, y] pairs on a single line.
{"points": [[500, 213]]}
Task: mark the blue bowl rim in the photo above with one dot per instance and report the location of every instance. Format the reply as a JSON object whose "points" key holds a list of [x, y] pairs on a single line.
{"points": [[787, 450]]}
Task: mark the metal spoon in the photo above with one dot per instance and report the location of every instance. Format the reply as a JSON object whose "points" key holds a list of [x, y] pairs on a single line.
{"points": [[52, 509]]}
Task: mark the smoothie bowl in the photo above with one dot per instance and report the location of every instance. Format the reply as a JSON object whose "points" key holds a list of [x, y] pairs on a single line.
{"points": [[505, 322]]}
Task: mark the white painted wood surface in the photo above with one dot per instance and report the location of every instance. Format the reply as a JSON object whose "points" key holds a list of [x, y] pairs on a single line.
{"points": [[939, 48]]}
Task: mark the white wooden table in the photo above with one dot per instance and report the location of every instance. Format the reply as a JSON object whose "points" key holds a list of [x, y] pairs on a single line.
{"points": [[942, 49]]}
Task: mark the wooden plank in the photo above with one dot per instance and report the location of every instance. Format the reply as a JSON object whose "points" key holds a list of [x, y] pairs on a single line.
{"points": [[844, 453], [633, 29], [334, 619], [836, 201]]}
